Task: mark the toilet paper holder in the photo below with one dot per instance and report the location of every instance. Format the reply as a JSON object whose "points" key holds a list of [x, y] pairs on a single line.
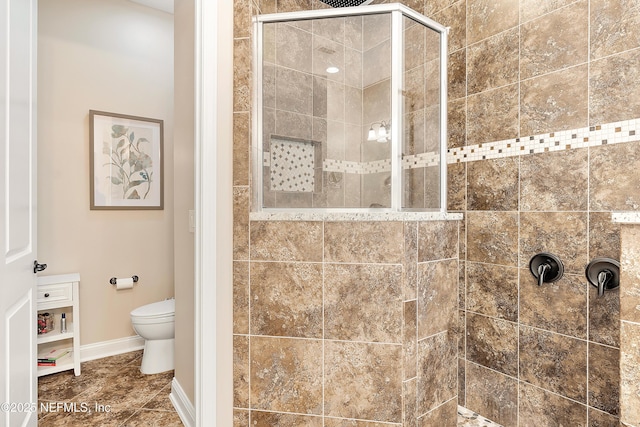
{"points": [[114, 280]]}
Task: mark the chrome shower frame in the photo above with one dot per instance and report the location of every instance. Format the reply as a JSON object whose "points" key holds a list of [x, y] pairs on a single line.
{"points": [[397, 11]]}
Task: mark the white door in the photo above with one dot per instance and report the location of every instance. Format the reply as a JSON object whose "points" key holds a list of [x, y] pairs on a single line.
{"points": [[18, 380]]}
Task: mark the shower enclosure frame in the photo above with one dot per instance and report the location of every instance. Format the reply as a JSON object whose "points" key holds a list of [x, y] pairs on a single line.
{"points": [[397, 11]]}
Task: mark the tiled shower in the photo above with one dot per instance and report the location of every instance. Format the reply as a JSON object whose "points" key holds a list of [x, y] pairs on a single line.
{"points": [[542, 102]]}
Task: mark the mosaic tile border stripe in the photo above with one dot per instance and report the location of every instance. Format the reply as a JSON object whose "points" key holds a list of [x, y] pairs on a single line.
{"points": [[593, 136]]}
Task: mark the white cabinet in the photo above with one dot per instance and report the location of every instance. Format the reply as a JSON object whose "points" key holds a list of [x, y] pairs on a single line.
{"points": [[56, 295]]}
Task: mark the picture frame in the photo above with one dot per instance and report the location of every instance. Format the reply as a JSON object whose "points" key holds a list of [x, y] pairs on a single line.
{"points": [[126, 162]]}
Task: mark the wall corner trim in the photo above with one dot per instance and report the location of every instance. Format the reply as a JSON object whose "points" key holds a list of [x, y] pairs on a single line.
{"points": [[108, 348], [183, 405]]}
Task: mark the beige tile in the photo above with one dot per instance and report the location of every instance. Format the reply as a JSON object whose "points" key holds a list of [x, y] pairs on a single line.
{"points": [[286, 299], [602, 419], [454, 17], [410, 261], [549, 409], [492, 237], [375, 30], [602, 329], [353, 32], [604, 378], [363, 381], [410, 332], [443, 415], [613, 94], [457, 74], [531, 9], [492, 290], [376, 64], [363, 302], [614, 179], [456, 186], [560, 306], [554, 362], [545, 49], [242, 75], [556, 101], [629, 373], [371, 242], [487, 18], [457, 123], [493, 185], [437, 297], [267, 6], [409, 390], [492, 115], [117, 416], [630, 274], [437, 240], [240, 418], [604, 236], [293, 48], [437, 371], [293, 125], [554, 181], [561, 233], [462, 381], [492, 343], [270, 419], [494, 395], [241, 223], [614, 27], [240, 371], [241, 148], [435, 6], [242, 18], [484, 72], [293, 5], [286, 375], [414, 41], [286, 241], [345, 422], [294, 91], [330, 28], [414, 88], [240, 297]]}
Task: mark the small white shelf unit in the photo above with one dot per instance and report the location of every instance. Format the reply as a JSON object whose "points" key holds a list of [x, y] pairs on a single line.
{"points": [[59, 294]]}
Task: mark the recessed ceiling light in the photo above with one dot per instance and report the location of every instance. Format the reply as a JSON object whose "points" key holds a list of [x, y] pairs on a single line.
{"points": [[333, 70]]}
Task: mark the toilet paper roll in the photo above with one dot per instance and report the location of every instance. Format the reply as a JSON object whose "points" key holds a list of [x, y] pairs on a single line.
{"points": [[126, 283]]}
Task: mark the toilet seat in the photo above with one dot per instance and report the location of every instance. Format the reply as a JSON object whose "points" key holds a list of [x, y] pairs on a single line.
{"points": [[155, 312]]}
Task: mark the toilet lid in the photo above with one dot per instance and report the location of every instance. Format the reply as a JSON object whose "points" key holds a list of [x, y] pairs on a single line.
{"points": [[156, 309]]}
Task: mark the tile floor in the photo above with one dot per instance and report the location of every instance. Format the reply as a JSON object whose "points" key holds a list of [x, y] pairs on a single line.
{"points": [[114, 383], [127, 398]]}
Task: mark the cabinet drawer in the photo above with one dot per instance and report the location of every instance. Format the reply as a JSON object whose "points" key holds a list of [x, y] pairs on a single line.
{"points": [[58, 294]]}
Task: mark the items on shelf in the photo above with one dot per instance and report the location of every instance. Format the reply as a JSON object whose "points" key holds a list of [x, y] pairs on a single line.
{"points": [[46, 323]]}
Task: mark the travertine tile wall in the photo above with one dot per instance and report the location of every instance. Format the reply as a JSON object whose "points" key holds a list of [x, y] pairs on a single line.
{"points": [[342, 321], [337, 323], [540, 356], [630, 325]]}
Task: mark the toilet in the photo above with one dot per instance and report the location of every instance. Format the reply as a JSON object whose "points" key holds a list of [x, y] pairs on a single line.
{"points": [[155, 323]]}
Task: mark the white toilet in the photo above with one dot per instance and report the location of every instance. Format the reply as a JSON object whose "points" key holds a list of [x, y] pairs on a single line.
{"points": [[155, 323]]}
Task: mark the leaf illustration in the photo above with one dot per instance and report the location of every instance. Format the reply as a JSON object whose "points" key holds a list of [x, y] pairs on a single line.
{"points": [[135, 183], [118, 131], [115, 180], [106, 148], [131, 136], [120, 144], [134, 195]]}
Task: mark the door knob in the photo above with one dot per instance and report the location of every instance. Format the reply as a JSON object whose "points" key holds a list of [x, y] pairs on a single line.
{"points": [[38, 267]]}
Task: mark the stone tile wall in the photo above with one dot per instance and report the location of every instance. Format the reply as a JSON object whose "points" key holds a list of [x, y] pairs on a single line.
{"points": [[346, 321], [546, 354], [518, 69]]}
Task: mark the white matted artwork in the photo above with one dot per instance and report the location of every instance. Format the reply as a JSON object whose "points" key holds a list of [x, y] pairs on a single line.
{"points": [[292, 164], [126, 161]]}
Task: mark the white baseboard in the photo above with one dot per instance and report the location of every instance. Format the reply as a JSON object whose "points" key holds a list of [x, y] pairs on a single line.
{"points": [[183, 405], [102, 349]]}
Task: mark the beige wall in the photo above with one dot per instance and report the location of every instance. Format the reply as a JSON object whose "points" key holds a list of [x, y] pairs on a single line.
{"points": [[183, 199], [109, 55]]}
